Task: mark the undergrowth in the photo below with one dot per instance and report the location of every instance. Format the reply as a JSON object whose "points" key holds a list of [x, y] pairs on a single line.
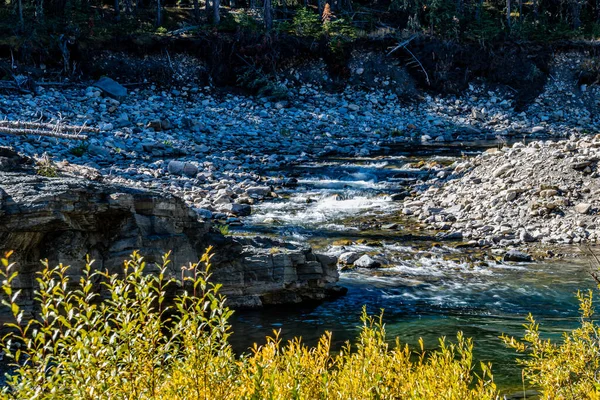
{"points": [[125, 342], [142, 335]]}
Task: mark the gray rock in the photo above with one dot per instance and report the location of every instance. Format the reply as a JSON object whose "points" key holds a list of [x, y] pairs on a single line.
{"points": [[526, 237], [189, 169], [538, 129], [98, 150], [367, 261], [517, 256], [242, 210], [399, 196], [583, 208], [258, 191], [498, 172], [63, 219], [389, 226], [348, 258], [111, 88], [176, 167], [165, 124]]}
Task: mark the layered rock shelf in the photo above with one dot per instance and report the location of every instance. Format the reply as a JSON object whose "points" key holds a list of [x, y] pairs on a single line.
{"points": [[65, 218]]}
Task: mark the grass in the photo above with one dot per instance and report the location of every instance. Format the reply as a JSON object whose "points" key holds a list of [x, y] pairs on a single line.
{"points": [[45, 167]]}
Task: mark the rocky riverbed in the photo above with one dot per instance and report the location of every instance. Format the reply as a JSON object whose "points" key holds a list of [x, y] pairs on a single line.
{"points": [[191, 140], [212, 148], [543, 191]]}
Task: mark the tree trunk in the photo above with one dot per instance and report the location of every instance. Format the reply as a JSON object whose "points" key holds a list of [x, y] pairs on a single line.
{"points": [[117, 10], [268, 15], [216, 15], [39, 10], [207, 8], [479, 11], [535, 9], [20, 11], [196, 10], [508, 13], [321, 7], [576, 13], [158, 13], [520, 11]]}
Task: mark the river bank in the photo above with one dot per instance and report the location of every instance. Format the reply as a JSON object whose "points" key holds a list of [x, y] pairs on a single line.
{"points": [[210, 148]]}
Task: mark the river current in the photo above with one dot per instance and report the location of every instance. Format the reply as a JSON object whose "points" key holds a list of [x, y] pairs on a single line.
{"points": [[427, 288]]}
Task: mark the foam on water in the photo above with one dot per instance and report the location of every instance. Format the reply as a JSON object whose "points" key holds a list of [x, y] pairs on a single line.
{"points": [[325, 210]]}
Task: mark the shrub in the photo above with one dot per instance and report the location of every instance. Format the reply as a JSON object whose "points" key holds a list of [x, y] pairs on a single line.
{"points": [[45, 167], [262, 84], [127, 343], [568, 370], [307, 23], [79, 150]]}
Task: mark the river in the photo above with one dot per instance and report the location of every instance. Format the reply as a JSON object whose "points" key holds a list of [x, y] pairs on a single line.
{"points": [[426, 288]]}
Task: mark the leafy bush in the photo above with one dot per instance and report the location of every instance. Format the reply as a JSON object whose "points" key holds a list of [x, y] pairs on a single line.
{"points": [[79, 150], [125, 342], [262, 84], [589, 71], [568, 370], [307, 23]]}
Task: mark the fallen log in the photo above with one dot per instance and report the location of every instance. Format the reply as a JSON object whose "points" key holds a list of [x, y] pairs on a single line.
{"points": [[38, 132], [54, 127]]}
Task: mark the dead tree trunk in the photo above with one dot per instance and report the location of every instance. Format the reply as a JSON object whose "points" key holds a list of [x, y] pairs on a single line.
{"points": [[39, 10], [268, 15], [216, 15], [158, 13], [20, 12]]}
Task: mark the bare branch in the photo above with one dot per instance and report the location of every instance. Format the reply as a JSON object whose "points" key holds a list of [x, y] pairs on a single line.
{"points": [[402, 45], [58, 127], [38, 132]]}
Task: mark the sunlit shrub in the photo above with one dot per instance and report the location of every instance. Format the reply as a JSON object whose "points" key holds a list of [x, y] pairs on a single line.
{"points": [[567, 370], [125, 342]]}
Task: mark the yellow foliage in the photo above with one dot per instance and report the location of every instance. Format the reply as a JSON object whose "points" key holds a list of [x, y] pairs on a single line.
{"points": [[130, 345], [569, 370]]}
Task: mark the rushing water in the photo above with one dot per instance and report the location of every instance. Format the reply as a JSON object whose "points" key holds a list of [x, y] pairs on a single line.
{"points": [[427, 290]]}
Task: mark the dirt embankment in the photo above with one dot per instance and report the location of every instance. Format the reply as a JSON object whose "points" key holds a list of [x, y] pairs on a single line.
{"points": [[251, 61]]}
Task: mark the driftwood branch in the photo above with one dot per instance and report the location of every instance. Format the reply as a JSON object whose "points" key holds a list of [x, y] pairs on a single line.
{"points": [[48, 126], [37, 132], [416, 60], [22, 128]]}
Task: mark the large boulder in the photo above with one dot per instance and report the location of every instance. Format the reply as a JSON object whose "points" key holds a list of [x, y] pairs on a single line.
{"points": [[111, 88]]}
